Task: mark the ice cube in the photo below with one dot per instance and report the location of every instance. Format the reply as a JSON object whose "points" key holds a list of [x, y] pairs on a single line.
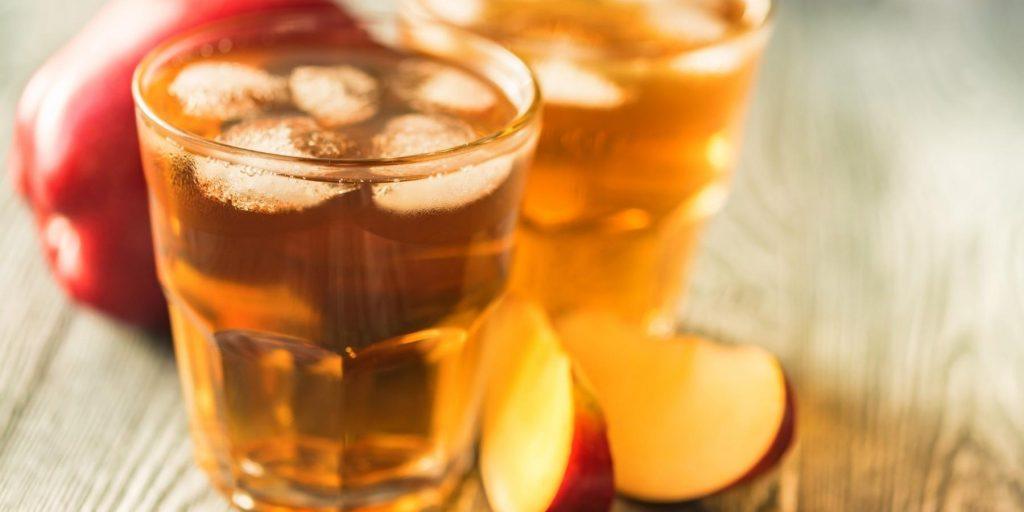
{"points": [[692, 23], [252, 188], [430, 87], [299, 136], [334, 95], [566, 83], [460, 12], [413, 134], [723, 58], [755, 12], [443, 192], [226, 90]]}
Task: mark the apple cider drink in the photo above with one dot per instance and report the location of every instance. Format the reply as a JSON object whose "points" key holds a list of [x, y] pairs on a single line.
{"points": [[643, 101], [333, 207], [643, 105]]}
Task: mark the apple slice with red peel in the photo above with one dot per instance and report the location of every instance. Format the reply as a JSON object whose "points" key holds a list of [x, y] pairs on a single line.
{"points": [[687, 417], [780, 447], [543, 446]]}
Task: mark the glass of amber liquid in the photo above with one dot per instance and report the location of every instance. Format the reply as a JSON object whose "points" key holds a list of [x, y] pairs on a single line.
{"points": [[333, 203], [643, 104]]}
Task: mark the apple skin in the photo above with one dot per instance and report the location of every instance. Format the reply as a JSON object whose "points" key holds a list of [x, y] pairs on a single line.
{"points": [[783, 440], [589, 481]]}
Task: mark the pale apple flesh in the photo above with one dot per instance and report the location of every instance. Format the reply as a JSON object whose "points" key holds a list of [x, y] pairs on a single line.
{"points": [[686, 417], [543, 446]]}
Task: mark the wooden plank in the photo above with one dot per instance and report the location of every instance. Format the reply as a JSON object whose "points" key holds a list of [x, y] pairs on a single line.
{"points": [[34, 316], [873, 243], [105, 422], [90, 415], [874, 240]]}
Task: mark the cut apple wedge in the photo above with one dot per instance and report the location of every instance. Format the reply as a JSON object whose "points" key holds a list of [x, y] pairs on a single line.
{"points": [[686, 417], [543, 446]]}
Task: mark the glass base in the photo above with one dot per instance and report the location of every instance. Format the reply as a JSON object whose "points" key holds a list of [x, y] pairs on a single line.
{"points": [[257, 492]]}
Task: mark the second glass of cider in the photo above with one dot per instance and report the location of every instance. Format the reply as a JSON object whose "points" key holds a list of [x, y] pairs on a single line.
{"points": [[643, 107]]}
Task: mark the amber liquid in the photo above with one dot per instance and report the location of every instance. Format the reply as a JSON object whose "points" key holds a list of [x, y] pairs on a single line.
{"points": [[641, 127], [328, 352]]}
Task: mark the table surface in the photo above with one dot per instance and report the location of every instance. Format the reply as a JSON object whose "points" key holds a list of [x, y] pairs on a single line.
{"points": [[874, 241]]}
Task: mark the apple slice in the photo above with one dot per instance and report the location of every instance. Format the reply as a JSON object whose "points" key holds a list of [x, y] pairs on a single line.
{"points": [[686, 417], [543, 446]]}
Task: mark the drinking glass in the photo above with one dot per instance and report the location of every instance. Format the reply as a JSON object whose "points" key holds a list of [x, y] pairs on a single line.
{"points": [[327, 263], [643, 110]]}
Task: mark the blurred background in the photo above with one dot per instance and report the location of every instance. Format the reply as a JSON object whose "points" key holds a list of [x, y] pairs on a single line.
{"points": [[874, 241]]}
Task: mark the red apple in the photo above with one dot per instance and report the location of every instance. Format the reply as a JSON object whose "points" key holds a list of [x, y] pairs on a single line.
{"points": [[75, 156], [544, 446]]}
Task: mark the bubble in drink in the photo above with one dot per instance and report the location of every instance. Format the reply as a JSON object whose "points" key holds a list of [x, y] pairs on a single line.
{"points": [[335, 95], [414, 134], [566, 83], [431, 87], [254, 188], [226, 90]]}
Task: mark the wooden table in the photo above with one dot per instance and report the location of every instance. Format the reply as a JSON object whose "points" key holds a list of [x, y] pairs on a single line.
{"points": [[875, 241]]}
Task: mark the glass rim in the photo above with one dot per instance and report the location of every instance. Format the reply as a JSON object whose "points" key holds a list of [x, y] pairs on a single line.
{"points": [[524, 118], [433, 16]]}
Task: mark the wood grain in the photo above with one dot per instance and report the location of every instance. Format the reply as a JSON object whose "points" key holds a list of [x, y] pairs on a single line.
{"points": [[875, 241]]}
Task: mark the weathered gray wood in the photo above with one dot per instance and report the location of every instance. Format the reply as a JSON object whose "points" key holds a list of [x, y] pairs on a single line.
{"points": [[90, 413], [875, 241]]}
